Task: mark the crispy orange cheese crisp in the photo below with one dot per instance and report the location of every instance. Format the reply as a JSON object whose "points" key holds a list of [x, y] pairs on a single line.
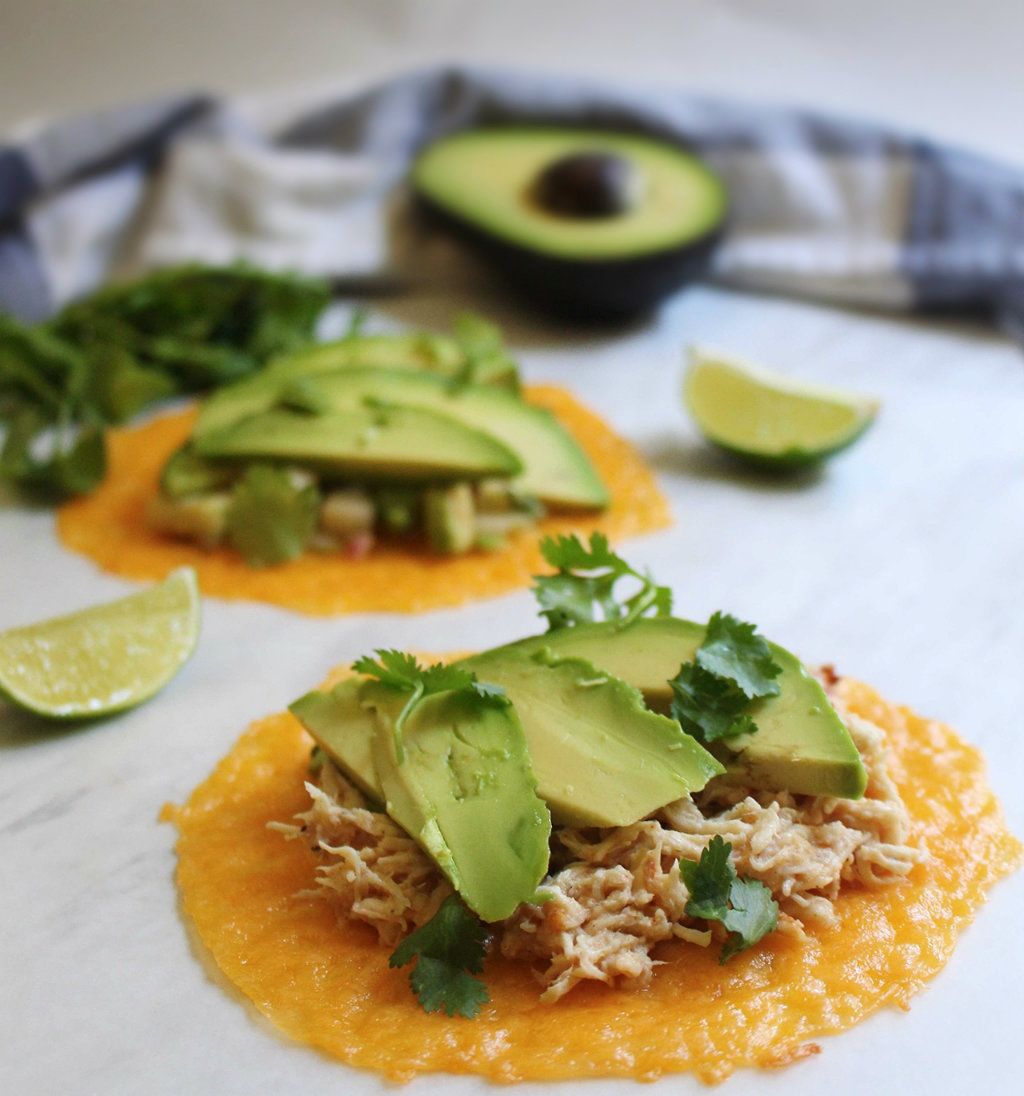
{"points": [[329, 985], [110, 527]]}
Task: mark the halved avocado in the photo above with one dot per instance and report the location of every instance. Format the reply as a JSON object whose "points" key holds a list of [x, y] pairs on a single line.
{"points": [[801, 744], [403, 443], [554, 467], [591, 222]]}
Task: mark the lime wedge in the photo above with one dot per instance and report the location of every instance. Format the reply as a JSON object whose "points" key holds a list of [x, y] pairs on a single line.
{"points": [[106, 658], [768, 419]]}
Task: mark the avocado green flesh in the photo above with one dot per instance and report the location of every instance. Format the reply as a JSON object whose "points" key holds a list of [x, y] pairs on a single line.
{"points": [[801, 745], [449, 518], [187, 473], [601, 757], [464, 789], [555, 469], [343, 729], [408, 353], [438, 354], [397, 443], [487, 179]]}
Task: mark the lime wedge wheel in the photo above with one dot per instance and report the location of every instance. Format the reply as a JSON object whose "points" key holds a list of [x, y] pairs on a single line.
{"points": [[768, 419], [103, 659]]}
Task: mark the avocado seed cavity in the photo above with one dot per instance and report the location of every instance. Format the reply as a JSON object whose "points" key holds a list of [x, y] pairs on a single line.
{"points": [[588, 185]]}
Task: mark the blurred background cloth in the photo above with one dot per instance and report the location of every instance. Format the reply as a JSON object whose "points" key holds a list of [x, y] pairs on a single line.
{"points": [[840, 211]]}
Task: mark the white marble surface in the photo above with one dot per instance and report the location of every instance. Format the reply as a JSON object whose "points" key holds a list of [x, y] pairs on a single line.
{"points": [[902, 564]]}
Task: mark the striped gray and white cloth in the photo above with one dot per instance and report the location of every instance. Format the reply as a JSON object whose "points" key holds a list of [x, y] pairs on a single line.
{"points": [[824, 208]]}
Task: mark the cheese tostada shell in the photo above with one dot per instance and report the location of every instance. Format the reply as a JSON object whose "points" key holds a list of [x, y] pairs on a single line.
{"points": [[329, 985], [109, 526]]}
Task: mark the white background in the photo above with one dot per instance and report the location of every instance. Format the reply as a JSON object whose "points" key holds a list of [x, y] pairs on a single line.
{"points": [[903, 564]]}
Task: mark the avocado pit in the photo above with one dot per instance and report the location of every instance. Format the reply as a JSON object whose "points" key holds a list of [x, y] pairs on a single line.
{"points": [[589, 184]]}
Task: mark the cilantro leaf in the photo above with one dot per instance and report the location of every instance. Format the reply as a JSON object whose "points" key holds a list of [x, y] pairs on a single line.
{"points": [[744, 906], [76, 463], [495, 694], [708, 881], [583, 590], [271, 519], [400, 670], [754, 914], [732, 668], [708, 707], [440, 986], [734, 650], [448, 950]]}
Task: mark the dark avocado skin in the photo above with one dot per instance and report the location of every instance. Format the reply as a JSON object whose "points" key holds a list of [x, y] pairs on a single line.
{"points": [[601, 289]]}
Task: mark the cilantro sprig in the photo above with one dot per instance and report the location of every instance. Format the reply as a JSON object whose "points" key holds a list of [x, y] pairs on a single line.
{"points": [[400, 671], [271, 519], [584, 587], [732, 668], [480, 342], [744, 906], [449, 950]]}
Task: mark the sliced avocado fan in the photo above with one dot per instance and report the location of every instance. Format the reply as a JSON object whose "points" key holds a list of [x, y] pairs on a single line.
{"points": [[419, 352], [801, 744], [554, 467], [362, 442], [600, 757]]}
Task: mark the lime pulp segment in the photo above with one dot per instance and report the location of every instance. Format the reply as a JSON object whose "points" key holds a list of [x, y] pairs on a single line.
{"points": [[771, 418], [105, 658]]}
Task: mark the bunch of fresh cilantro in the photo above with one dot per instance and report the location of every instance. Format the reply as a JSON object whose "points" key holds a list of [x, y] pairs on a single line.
{"points": [[106, 357]]}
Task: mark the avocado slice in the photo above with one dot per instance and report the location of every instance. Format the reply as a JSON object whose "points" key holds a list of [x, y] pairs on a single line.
{"points": [[555, 468], [439, 354], [187, 473], [801, 744], [601, 757], [464, 789], [450, 518], [587, 221], [344, 730], [404, 443]]}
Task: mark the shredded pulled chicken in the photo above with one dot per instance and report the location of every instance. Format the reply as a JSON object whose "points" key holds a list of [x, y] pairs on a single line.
{"points": [[615, 894]]}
